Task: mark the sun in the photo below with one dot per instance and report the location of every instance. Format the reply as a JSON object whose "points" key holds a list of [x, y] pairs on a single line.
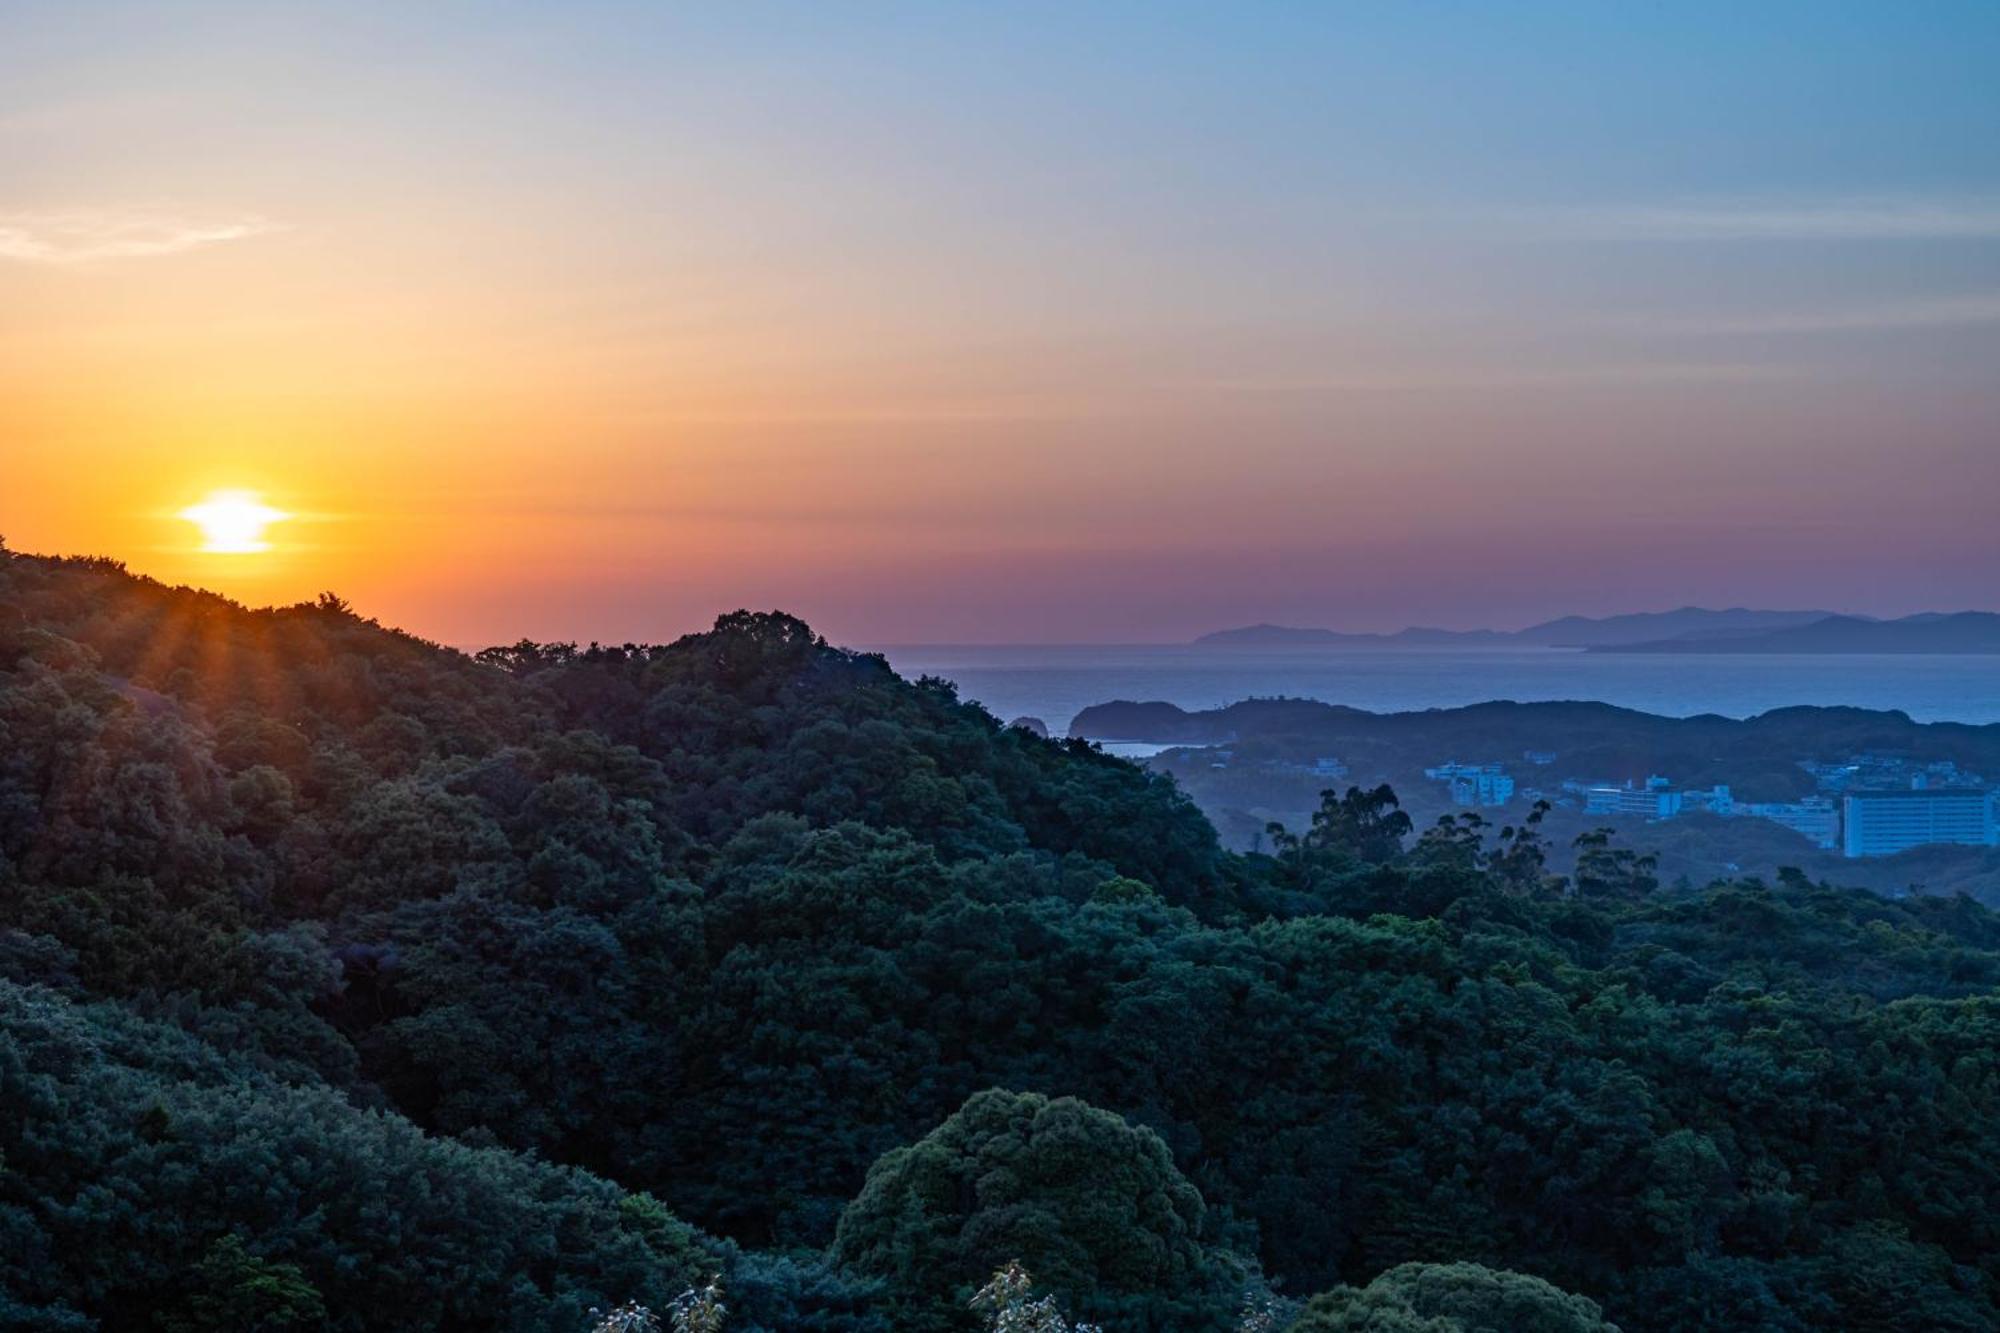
{"points": [[233, 522]]}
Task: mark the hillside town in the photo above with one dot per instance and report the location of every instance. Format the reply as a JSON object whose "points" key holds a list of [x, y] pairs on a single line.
{"points": [[1867, 805]]}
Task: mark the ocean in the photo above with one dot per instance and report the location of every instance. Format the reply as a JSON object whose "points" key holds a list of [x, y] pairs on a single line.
{"points": [[1055, 682]]}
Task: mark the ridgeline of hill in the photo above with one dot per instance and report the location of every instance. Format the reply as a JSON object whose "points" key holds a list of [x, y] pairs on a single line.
{"points": [[1594, 739], [348, 982], [1961, 632], [1688, 630], [1565, 632]]}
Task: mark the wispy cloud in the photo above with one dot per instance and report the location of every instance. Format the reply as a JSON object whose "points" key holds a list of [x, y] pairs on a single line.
{"points": [[1505, 377], [85, 236], [1941, 313], [1851, 219]]}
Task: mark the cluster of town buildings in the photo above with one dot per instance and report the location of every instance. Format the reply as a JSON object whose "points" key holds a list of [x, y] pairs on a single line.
{"points": [[1871, 805]]}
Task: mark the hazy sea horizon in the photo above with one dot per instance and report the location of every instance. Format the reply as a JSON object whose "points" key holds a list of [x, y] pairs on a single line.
{"points": [[1056, 681]]}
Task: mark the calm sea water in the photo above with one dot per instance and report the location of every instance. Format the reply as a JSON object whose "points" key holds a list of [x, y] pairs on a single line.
{"points": [[1055, 682]]}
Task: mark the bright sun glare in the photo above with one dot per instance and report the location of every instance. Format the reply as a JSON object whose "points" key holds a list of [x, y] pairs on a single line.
{"points": [[233, 522]]}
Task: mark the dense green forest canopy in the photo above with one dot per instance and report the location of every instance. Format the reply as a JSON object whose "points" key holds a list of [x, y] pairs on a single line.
{"points": [[350, 982]]}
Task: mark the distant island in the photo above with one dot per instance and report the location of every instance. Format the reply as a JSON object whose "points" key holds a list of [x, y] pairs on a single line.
{"points": [[1690, 629], [1289, 636], [1963, 632]]}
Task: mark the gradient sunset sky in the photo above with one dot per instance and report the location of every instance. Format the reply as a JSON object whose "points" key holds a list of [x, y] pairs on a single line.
{"points": [[1010, 323]]}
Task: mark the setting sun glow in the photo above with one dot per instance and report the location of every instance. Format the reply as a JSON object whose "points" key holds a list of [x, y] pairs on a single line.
{"points": [[233, 522]]}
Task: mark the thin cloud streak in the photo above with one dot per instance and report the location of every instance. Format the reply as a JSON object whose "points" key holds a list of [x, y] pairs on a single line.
{"points": [[1949, 313], [1525, 377], [87, 236], [1856, 219]]}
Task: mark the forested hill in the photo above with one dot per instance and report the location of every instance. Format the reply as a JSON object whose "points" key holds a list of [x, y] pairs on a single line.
{"points": [[1598, 738], [348, 982]]}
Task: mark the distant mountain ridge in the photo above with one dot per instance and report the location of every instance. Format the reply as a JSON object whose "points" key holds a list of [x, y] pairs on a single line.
{"points": [[1645, 627], [1273, 636], [1930, 632]]}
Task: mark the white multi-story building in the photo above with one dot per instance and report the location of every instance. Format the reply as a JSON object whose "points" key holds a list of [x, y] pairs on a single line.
{"points": [[1656, 800], [1474, 784], [1882, 823], [1816, 817], [1716, 800]]}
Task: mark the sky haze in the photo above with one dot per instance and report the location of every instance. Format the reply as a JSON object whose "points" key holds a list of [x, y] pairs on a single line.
{"points": [[957, 323]]}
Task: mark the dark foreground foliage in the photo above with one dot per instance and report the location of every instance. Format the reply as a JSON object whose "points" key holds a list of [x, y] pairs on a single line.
{"points": [[347, 982]]}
